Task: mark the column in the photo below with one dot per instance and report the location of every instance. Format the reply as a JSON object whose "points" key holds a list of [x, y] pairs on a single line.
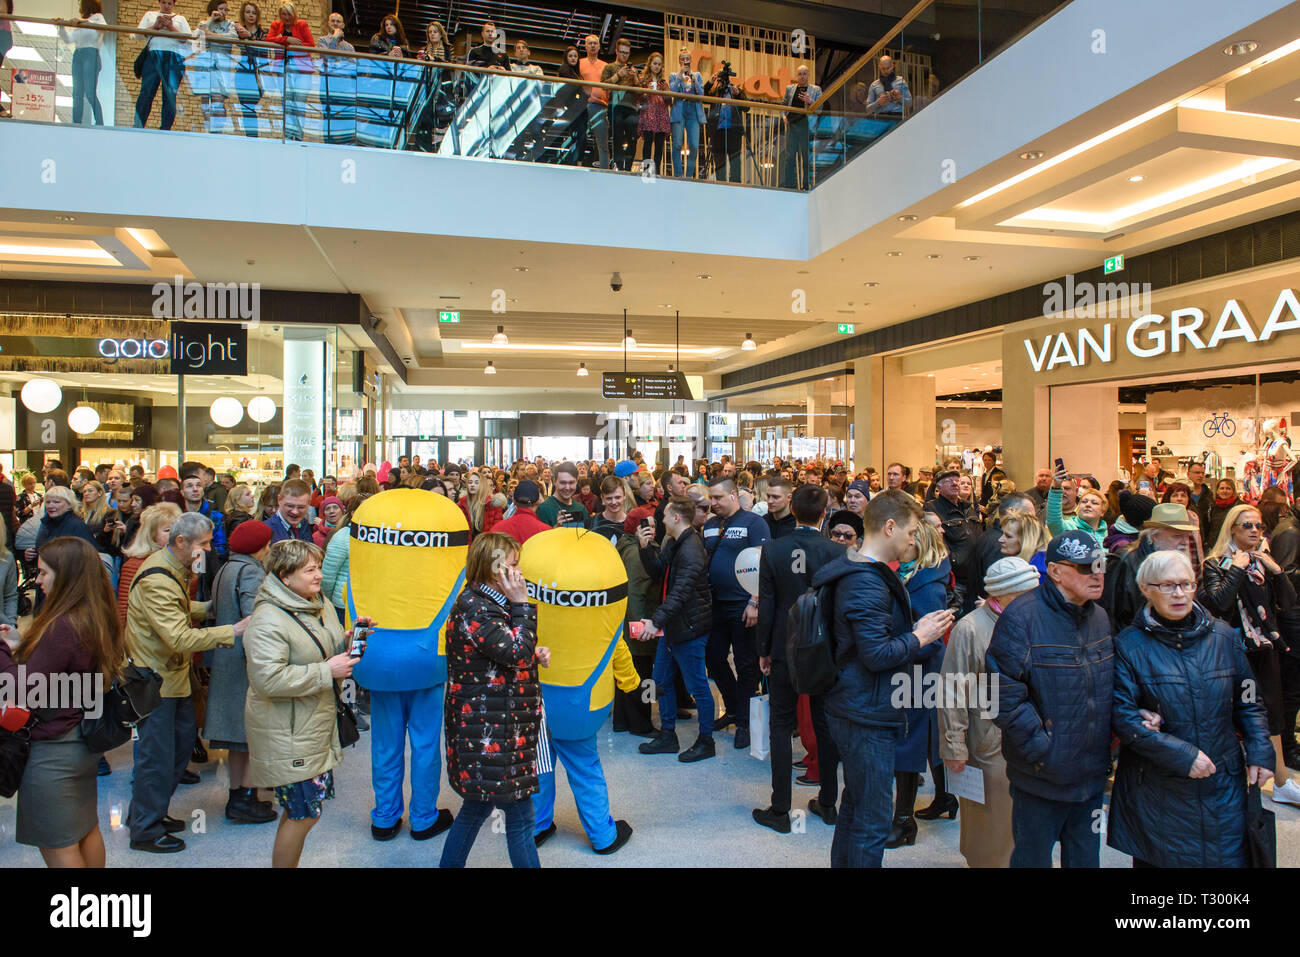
{"points": [[1085, 428], [306, 406], [907, 416], [868, 425]]}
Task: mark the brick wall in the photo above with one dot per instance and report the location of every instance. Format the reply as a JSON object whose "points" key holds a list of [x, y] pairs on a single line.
{"points": [[189, 110]]}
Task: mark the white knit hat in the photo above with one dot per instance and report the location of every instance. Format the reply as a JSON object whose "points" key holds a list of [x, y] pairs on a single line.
{"points": [[1007, 576]]}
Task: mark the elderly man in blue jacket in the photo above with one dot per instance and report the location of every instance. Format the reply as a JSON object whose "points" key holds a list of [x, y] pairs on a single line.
{"points": [[876, 644], [1053, 657]]}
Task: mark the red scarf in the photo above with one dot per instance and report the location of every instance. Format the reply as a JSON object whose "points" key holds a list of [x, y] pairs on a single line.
{"points": [[1226, 502]]}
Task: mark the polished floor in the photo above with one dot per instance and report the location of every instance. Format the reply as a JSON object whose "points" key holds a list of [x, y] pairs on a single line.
{"points": [[683, 816]]}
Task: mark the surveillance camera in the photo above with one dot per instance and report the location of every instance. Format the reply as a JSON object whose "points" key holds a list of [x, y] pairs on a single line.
{"points": [[616, 282]]}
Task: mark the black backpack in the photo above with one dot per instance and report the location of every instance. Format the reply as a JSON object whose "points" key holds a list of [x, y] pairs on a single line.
{"points": [[810, 641], [812, 653]]}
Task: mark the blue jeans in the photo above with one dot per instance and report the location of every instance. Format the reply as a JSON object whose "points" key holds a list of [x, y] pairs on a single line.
{"points": [[1037, 823], [691, 133], [162, 70], [85, 78], [688, 658], [867, 804], [519, 832]]}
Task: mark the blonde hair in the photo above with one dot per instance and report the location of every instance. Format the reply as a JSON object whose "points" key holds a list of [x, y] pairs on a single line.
{"points": [[1031, 532], [930, 549], [238, 492], [151, 519], [100, 510], [486, 555], [478, 502], [63, 494], [287, 556], [1221, 544], [286, 5]]}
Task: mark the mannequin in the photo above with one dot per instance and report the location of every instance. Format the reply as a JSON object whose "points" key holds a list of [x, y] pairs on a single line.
{"points": [[1276, 457]]}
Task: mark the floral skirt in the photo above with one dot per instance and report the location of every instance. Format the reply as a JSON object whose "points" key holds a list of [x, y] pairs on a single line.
{"points": [[303, 800]]}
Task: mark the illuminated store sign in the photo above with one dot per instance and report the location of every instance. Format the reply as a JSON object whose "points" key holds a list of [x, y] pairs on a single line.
{"points": [[114, 349], [1154, 335]]}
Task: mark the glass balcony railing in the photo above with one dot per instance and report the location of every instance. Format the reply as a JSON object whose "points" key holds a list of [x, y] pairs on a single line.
{"points": [[210, 80]]}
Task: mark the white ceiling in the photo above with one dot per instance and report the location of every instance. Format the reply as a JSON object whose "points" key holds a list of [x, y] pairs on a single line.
{"points": [[1041, 219]]}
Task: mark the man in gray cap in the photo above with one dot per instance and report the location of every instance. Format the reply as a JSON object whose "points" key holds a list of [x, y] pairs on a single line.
{"points": [[1053, 656]]}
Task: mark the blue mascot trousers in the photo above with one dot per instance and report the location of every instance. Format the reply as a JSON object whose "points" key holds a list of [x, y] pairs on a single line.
{"points": [[393, 716]]}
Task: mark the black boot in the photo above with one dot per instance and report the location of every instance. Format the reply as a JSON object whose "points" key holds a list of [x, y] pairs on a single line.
{"points": [[944, 803], [243, 807], [665, 742], [903, 830]]}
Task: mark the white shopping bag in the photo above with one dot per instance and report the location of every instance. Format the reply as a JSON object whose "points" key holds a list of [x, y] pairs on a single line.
{"points": [[760, 727]]}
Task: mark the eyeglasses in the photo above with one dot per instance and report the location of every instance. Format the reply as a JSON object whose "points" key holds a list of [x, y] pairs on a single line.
{"points": [[1250, 526], [1175, 588]]}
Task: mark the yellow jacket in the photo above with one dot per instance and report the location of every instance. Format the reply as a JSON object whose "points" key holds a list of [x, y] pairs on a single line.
{"points": [[159, 623]]}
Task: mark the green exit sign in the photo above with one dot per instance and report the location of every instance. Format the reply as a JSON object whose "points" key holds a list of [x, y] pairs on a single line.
{"points": [[446, 316], [846, 328], [1113, 264]]}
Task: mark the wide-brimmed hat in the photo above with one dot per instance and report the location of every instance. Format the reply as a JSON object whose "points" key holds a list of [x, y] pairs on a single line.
{"points": [[1170, 515]]}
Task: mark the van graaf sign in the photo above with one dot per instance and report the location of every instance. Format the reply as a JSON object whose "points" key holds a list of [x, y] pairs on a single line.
{"points": [[1186, 329]]}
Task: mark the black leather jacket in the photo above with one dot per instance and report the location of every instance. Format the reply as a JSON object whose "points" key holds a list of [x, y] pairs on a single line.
{"points": [[686, 611]]}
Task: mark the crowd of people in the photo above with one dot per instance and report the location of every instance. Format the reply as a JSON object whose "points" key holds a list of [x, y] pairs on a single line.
{"points": [[1146, 633], [231, 81]]}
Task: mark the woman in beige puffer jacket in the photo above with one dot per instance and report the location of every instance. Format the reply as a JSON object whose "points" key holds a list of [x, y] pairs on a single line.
{"points": [[295, 649]]}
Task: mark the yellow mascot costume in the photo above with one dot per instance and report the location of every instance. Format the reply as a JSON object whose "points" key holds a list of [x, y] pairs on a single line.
{"points": [[406, 565], [577, 580]]}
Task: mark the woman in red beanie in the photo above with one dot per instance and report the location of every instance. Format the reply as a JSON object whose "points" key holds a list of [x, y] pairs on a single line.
{"points": [[233, 593]]}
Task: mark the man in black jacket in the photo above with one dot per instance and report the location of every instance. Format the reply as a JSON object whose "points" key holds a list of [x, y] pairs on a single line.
{"points": [[960, 531], [785, 570], [876, 645], [1053, 658], [682, 623], [780, 518]]}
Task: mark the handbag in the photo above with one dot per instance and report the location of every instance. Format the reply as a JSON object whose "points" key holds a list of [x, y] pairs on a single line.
{"points": [[138, 67], [760, 725], [1261, 830], [349, 733], [132, 697], [15, 749]]}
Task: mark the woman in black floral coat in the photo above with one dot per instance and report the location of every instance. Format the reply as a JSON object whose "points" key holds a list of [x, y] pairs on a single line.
{"points": [[493, 703]]}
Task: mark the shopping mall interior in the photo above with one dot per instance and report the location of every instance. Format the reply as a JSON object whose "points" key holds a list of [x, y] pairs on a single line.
{"points": [[1065, 243]]}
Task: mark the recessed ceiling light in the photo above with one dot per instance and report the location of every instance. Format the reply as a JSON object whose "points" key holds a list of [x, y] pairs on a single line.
{"points": [[933, 256], [1241, 48], [59, 218], [1032, 155], [871, 285], [703, 275], [908, 218], [665, 305], [521, 269], [972, 259], [801, 272], [1136, 179], [893, 252]]}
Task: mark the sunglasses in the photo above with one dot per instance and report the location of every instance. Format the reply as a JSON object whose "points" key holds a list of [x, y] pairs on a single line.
{"points": [[1250, 526], [843, 536]]}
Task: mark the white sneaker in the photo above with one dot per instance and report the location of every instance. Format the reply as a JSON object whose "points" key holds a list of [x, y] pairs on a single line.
{"points": [[1288, 793]]}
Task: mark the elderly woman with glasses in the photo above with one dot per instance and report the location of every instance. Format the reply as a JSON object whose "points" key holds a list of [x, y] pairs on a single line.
{"points": [[1180, 787], [1242, 585]]}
